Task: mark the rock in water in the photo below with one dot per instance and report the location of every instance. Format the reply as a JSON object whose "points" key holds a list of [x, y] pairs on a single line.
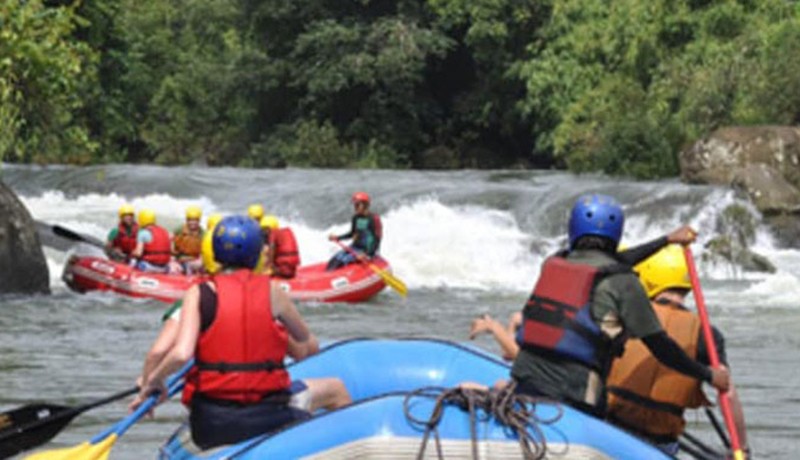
{"points": [[22, 263]]}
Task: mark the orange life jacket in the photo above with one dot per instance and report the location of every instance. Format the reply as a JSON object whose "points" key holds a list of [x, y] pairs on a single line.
{"points": [[126, 238], [647, 396], [287, 255], [187, 243], [240, 356], [159, 249]]}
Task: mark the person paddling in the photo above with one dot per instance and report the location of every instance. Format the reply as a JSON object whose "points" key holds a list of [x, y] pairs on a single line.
{"points": [[153, 244], [646, 397], [238, 387], [366, 231], [509, 337], [121, 240], [583, 307]]}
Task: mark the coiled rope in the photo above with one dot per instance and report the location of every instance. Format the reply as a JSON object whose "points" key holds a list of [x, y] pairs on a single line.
{"points": [[512, 410]]}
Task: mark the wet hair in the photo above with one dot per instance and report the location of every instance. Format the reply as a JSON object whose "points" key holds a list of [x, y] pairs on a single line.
{"points": [[599, 243]]}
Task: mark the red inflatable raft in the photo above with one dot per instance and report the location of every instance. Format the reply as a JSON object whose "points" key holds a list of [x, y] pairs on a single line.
{"points": [[352, 283]]}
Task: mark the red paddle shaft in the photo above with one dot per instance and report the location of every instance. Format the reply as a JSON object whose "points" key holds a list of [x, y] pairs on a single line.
{"points": [[713, 357]]}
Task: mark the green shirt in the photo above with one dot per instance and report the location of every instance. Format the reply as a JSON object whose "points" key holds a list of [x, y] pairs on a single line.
{"points": [[173, 312], [619, 305], [112, 235]]}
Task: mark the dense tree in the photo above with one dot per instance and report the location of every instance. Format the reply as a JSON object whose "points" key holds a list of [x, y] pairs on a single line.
{"points": [[43, 78], [616, 86]]}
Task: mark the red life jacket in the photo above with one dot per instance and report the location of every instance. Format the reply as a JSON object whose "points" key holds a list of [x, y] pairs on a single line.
{"points": [[126, 238], [159, 249], [287, 255], [557, 319], [240, 356]]}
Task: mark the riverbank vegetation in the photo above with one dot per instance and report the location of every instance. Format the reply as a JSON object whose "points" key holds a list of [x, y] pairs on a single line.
{"points": [[617, 86]]}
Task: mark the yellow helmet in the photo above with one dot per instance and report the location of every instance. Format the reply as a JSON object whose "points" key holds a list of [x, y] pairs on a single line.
{"points": [[270, 222], [194, 212], [664, 270], [126, 209], [255, 211], [207, 250], [213, 220], [147, 217]]}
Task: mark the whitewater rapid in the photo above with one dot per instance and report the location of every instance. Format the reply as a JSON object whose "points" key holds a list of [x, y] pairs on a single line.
{"points": [[432, 244]]}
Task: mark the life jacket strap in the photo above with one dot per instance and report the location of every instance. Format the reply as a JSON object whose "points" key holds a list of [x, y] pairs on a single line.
{"points": [[646, 402], [223, 367]]}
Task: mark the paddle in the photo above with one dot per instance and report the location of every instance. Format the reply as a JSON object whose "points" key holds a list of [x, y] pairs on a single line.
{"points": [[713, 357], [75, 236], [35, 424], [99, 447], [48, 238], [395, 283]]}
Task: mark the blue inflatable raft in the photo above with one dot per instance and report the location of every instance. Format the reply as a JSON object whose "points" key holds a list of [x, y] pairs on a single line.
{"points": [[379, 374]]}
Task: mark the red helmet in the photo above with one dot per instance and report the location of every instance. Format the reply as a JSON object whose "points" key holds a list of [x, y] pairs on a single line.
{"points": [[360, 197]]}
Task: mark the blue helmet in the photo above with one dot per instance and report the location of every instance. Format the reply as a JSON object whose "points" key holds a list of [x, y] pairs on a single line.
{"points": [[598, 215], [237, 242]]}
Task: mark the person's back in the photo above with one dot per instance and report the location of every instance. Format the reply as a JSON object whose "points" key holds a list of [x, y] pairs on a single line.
{"points": [[614, 307], [582, 309], [154, 246], [645, 396], [238, 326], [286, 258]]}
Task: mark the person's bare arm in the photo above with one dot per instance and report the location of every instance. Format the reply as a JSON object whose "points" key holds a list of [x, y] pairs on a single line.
{"points": [[138, 250], [163, 343], [501, 335], [180, 353], [304, 342]]}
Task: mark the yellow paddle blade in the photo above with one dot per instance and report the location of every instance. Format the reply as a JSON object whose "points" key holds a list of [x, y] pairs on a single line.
{"points": [[394, 282], [84, 451]]}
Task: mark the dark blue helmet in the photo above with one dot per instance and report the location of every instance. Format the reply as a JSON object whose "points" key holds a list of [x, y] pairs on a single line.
{"points": [[598, 215], [237, 242]]}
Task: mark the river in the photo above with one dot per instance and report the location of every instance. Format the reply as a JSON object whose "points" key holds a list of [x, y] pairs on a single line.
{"points": [[465, 242]]}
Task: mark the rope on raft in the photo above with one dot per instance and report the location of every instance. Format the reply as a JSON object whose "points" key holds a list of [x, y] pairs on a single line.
{"points": [[510, 409]]}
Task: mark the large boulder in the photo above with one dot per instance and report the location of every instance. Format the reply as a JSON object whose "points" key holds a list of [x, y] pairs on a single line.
{"points": [[762, 161], [23, 267], [767, 189], [715, 159]]}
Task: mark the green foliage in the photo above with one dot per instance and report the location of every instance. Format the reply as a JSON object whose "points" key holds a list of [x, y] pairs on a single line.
{"points": [[43, 76], [623, 86], [619, 86], [312, 144]]}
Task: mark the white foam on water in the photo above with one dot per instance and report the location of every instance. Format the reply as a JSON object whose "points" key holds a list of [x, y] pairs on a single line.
{"points": [[434, 245]]}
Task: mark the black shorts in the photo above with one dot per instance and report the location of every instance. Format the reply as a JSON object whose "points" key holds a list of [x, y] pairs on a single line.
{"points": [[217, 422]]}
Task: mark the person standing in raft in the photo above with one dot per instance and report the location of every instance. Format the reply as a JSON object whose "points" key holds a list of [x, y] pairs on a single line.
{"points": [[583, 307], [366, 231], [238, 387], [646, 397], [282, 256], [153, 245], [187, 241], [121, 240]]}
